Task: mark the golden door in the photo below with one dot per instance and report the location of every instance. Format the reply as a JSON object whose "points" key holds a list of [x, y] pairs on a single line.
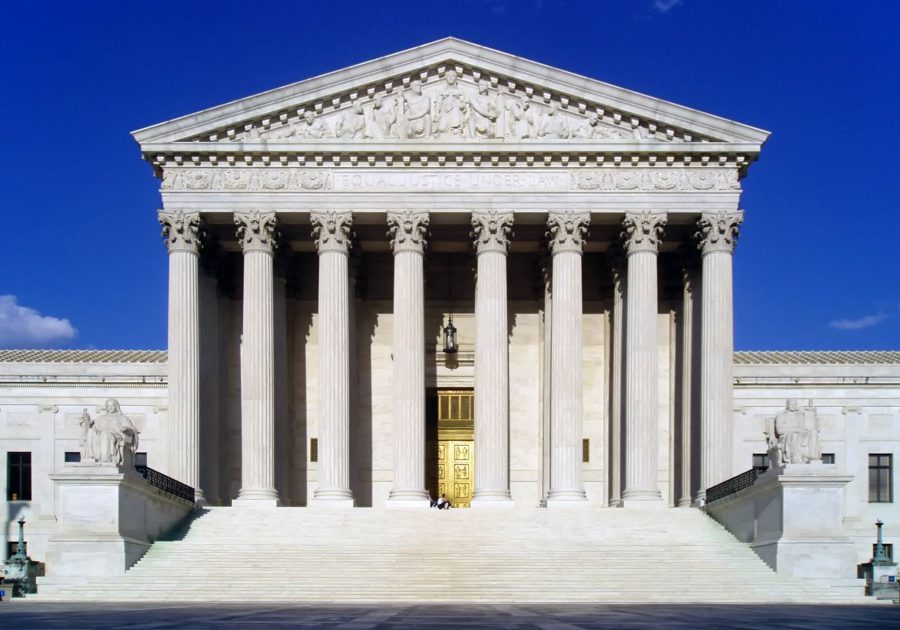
{"points": [[455, 471], [455, 445]]}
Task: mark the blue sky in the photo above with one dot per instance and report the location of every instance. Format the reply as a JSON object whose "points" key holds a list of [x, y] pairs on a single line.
{"points": [[82, 263]]}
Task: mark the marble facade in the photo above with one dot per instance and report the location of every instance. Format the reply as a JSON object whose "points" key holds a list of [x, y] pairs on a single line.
{"points": [[320, 235]]}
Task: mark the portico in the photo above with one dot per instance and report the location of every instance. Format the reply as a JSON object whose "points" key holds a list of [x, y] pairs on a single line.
{"points": [[554, 234]]}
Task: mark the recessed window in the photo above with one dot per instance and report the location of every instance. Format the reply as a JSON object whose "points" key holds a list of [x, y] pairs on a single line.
{"points": [[880, 472], [828, 458], [760, 462], [586, 450], [18, 475], [314, 449], [73, 457], [140, 459]]}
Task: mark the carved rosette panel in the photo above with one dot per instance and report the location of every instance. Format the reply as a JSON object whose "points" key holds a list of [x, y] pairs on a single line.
{"points": [[182, 231], [408, 230], [566, 231], [332, 231], [491, 231], [245, 180], [718, 231], [643, 231], [644, 180], [256, 231]]}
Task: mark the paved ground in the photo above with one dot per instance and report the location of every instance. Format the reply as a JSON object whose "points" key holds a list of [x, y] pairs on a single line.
{"points": [[23, 615]]}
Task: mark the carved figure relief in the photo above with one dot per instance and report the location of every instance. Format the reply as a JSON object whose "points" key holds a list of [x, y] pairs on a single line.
{"points": [[352, 124], [106, 438], [591, 128], [520, 119], [417, 112], [553, 125], [793, 435], [451, 109], [384, 117], [485, 112]]}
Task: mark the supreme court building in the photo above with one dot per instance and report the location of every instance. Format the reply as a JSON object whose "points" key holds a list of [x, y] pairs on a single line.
{"points": [[453, 271]]}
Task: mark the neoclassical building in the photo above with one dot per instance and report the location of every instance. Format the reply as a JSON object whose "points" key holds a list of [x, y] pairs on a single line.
{"points": [[452, 271]]}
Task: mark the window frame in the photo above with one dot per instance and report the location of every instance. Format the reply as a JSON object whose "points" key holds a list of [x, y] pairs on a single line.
{"points": [[20, 472], [881, 494]]}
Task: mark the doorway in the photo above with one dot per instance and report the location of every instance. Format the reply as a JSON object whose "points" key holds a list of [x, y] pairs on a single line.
{"points": [[451, 444]]}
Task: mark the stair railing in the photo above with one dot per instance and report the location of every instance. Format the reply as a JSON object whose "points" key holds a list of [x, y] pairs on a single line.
{"points": [[733, 485], [166, 483]]}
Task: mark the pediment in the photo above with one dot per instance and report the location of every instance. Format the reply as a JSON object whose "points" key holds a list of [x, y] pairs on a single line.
{"points": [[448, 92]]}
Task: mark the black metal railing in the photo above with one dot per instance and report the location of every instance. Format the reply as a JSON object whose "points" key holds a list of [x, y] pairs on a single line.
{"points": [[730, 486], [166, 483]]}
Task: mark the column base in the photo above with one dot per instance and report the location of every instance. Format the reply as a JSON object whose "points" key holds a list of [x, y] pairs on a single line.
{"points": [[255, 503], [257, 498], [683, 503], [643, 500], [332, 499], [491, 501], [563, 499]]}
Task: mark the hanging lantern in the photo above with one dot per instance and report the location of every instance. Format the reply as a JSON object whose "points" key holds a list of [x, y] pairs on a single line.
{"points": [[450, 346]]}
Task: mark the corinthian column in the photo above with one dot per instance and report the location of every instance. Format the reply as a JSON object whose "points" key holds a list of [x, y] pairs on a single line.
{"points": [[641, 235], [615, 388], [491, 231], [182, 231], [256, 234], [408, 231], [566, 234], [717, 235], [332, 233]]}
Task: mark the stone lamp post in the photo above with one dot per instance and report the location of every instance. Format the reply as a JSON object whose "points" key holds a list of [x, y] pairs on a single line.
{"points": [[21, 571]]}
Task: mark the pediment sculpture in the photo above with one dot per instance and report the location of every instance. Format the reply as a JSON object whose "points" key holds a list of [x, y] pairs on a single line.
{"points": [[456, 107], [109, 438], [793, 435]]}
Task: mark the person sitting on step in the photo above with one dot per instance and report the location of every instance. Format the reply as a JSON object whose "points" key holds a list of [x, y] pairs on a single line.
{"points": [[443, 503]]}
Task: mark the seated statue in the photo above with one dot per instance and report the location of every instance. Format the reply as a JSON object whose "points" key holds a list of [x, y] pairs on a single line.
{"points": [[793, 435], [106, 438]]}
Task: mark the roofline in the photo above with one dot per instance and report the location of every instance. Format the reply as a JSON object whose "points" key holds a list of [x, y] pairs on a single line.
{"points": [[443, 50]]}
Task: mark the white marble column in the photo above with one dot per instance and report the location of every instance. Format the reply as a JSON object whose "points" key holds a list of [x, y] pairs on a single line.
{"points": [[210, 415], [717, 236], [566, 233], [491, 231], [182, 232], [331, 231], [408, 232], [257, 237], [687, 380], [641, 235], [615, 388]]}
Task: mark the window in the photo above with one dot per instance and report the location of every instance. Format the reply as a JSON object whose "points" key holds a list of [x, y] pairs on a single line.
{"points": [[586, 450], [18, 475], [73, 457], [880, 472], [13, 545], [760, 462], [140, 459], [314, 449], [828, 458], [888, 550]]}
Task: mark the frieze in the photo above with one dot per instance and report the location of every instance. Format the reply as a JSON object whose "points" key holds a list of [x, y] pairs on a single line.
{"points": [[245, 180], [610, 179]]}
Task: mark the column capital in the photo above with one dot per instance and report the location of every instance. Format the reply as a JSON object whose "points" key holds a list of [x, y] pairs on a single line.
{"points": [[491, 231], [718, 231], [332, 231], [256, 231], [643, 230], [408, 230], [567, 230], [182, 231]]}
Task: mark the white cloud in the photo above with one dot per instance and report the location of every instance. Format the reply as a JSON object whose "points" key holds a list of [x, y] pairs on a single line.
{"points": [[23, 327], [664, 6], [858, 324]]}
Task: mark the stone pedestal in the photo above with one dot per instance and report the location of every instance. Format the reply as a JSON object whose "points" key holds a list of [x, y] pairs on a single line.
{"points": [[793, 519], [107, 517]]}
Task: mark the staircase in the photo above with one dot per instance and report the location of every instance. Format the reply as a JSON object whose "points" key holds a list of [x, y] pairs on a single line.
{"points": [[371, 555]]}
